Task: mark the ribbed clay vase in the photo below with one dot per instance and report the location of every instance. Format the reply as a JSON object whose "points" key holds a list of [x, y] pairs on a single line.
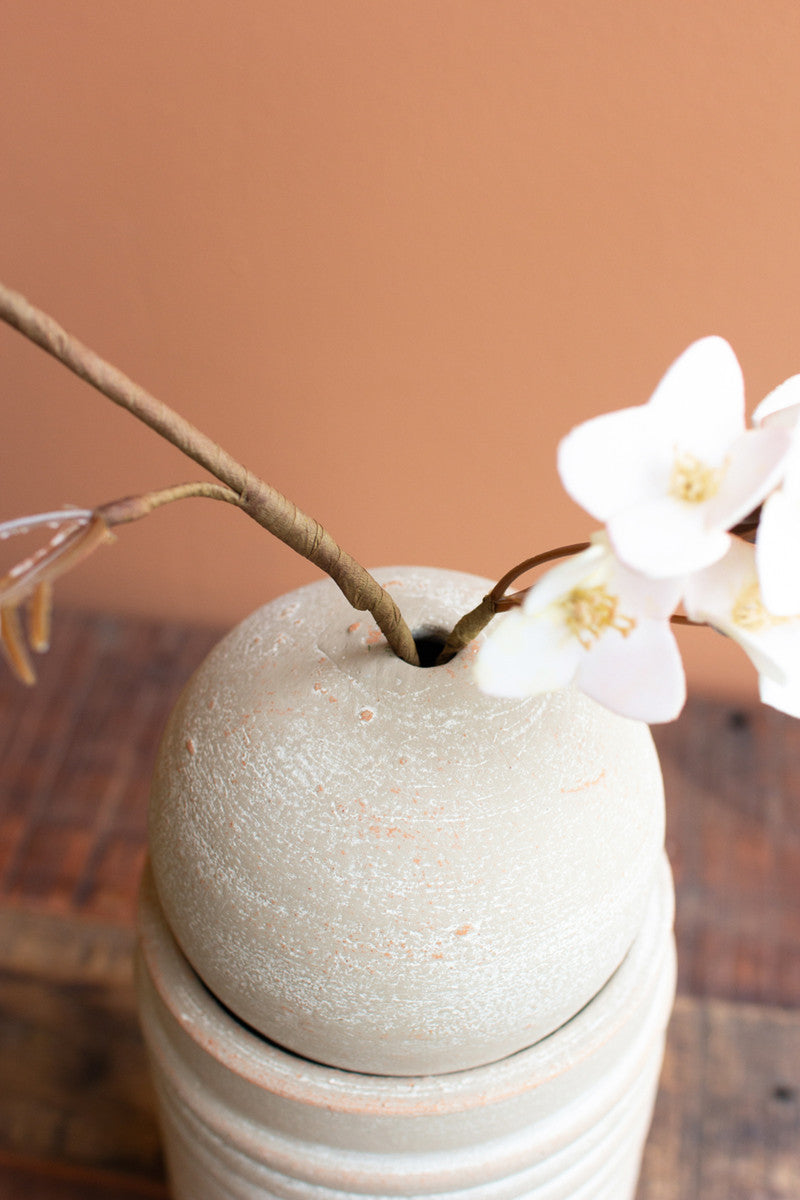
{"points": [[400, 938]]}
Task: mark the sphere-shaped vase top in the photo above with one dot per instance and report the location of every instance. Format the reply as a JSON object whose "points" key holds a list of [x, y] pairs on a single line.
{"points": [[380, 868]]}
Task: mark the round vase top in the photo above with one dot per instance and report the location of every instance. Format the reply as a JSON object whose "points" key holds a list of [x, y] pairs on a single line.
{"points": [[380, 868]]}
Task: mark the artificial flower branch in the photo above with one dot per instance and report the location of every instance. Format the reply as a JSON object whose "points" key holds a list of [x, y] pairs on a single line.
{"points": [[263, 503], [699, 511], [496, 601]]}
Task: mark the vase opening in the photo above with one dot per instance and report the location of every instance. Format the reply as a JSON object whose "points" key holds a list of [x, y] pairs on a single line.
{"points": [[429, 643]]}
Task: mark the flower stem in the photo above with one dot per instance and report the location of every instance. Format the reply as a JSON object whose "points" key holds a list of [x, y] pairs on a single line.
{"points": [[258, 499], [133, 508], [501, 587], [748, 528]]}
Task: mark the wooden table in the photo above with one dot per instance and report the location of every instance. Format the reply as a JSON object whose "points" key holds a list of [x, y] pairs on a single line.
{"points": [[76, 1109]]}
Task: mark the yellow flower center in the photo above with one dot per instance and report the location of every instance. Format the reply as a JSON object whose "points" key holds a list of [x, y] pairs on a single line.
{"points": [[693, 481], [749, 613], [589, 611]]}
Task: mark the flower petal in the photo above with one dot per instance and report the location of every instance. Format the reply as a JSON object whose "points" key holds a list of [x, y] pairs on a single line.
{"points": [[781, 406], [612, 462], [639, 675], [656, 599], [726, 596], [712, 592], [791, 479], [665, 538], [756, 462], [524, 656], [785, 697], [590, 566], [778, 554], [701, 398]]}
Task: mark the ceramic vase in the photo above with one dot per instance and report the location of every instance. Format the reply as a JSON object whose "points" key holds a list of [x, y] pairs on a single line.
{"points": [[400, 938]]}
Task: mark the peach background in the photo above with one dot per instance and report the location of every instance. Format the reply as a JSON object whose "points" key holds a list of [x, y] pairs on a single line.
{"points": [[387, 254]]}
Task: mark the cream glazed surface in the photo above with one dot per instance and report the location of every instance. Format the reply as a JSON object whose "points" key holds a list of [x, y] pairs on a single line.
{"points": [[382, 869]]}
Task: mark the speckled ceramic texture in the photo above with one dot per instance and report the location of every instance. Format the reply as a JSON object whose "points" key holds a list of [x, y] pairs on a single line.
{"points": [[377, 866], [565, 1120]]}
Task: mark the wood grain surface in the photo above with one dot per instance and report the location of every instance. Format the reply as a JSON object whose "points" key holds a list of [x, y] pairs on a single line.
{"points": [[76, 1108]]}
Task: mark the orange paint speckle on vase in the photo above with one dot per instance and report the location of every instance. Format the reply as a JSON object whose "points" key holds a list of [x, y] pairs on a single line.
{"points": [[583, 786]]}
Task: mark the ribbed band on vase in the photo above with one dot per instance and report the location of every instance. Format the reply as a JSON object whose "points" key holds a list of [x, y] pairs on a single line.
{"points": [[563, 1120]]}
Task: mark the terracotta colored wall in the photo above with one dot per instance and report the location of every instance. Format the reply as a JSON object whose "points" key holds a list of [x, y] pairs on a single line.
{"points": [[387, 253]]}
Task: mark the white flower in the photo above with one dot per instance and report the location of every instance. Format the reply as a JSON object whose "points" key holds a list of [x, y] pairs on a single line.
{"points": [[727, 595], [778, 538], [670, 477], [592, 621]]}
